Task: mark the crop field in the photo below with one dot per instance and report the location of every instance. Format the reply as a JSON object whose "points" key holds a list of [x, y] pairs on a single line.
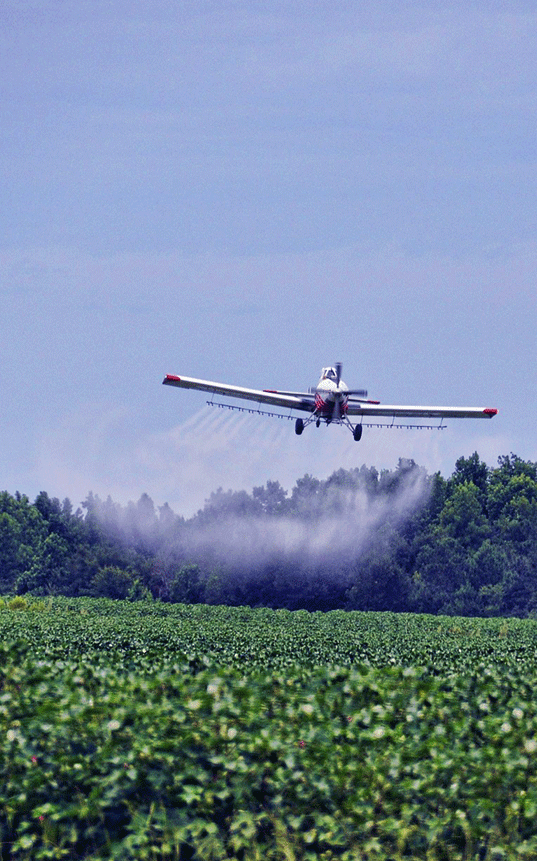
{"points": [[153, 731]]}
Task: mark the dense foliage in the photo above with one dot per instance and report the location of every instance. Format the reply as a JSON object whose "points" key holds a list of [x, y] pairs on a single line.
{"points": [[397, 540], [143, 730]]}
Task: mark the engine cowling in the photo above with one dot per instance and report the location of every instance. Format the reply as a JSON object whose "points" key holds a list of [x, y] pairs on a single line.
{"points": [[328, 393]]}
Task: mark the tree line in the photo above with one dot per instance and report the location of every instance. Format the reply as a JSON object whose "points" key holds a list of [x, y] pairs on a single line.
{"points": [[399, 540]]}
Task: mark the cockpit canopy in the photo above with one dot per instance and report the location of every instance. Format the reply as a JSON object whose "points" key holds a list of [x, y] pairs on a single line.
{"points": [[328, 374]]}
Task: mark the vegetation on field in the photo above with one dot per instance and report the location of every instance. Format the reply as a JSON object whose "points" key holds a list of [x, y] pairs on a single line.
{"points": [[397, 540], [236, 724], [134, 730]]}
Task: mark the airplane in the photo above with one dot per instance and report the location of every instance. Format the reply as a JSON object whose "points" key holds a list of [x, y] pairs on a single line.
{"points": [[331, 401]]}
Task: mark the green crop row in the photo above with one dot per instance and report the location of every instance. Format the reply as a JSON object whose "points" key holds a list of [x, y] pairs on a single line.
{"points": [[118, 743], [243, 636]]}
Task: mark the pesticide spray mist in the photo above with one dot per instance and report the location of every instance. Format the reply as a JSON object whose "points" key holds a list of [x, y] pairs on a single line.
{"points": [[260, 525], [341, 518]]}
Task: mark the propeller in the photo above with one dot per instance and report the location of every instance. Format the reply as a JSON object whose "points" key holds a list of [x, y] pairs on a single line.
{"points": [[360, 393], [336, 415]]}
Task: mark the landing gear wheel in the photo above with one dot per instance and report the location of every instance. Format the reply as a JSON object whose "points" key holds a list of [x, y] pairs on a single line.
{"points": [[358, 433], [299, 426]]}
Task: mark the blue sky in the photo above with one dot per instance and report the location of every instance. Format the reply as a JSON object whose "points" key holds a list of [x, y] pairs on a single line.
{"points": [[246, 192]]}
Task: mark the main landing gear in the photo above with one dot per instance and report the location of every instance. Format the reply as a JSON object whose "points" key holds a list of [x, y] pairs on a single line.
{"points": [[300, 424]]}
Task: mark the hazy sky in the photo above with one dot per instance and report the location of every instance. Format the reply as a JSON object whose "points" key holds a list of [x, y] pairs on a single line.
{"points": [[246, 192]]}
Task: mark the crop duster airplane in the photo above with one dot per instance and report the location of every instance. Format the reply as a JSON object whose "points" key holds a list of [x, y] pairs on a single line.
{"points": [[331, 401]]}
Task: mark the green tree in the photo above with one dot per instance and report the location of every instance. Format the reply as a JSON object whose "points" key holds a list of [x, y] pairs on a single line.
{"points": [[512, 505], [440, 570], [22, 534], [471, 469], [305, 497], [272, 497], [47, 573], [380, 584], [112, 582], [186, 586], [462, 516]]}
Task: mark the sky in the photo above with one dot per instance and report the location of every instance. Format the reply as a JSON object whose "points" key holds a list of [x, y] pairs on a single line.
{"points": [[247, 192]]}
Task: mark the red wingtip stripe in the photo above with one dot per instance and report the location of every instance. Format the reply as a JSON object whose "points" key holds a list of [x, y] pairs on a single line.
{"points": [[173, 377], [271, 391], [490, 411]]}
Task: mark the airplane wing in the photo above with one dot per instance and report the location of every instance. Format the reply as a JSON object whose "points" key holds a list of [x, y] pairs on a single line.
{"points": [[291, 400], [394, 411], [305, 401]]}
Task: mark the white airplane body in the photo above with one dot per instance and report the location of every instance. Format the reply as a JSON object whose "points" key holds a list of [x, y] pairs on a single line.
{"points": [[330, 401]]}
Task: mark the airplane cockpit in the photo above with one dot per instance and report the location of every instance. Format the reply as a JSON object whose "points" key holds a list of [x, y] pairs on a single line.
{"points": [[328, 374]]}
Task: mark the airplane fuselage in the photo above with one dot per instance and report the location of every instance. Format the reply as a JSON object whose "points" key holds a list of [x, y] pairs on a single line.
{"points": [[330, 397]]}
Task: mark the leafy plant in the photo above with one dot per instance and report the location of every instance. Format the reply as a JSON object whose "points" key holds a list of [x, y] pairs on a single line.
{"points": [[139, 730]]}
